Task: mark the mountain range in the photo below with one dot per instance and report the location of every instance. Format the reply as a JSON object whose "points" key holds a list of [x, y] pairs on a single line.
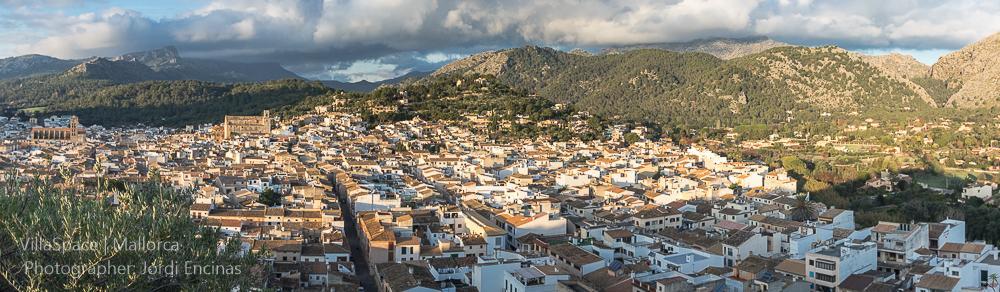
{"points": [[33, 65], [973, 72], [365, 85], [722, 48], [736, 81], [159, 64], [166, 64], [744, 80]]}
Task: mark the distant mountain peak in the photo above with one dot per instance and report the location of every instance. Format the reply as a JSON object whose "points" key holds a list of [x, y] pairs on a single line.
{"points": [[973, 71], [490, 62], [899, 64], [722, 48], [32, 65], [155, 59], [112, 69], [365, 85]]}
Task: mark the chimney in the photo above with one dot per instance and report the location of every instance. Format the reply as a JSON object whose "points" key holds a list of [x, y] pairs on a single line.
{"points": [[689, 258]]}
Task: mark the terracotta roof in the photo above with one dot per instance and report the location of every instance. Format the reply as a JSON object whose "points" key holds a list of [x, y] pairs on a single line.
{"points": [[830, 214], [619, 233], [969, 247], [937, 282], [518, 220], [726, 224], [548, 270], [730, 211], [738, 238], [856, 282], [935, 229], [573, 254], [794, 267], [884, 228], [677, 204], [753, 264], [334, 248], [951, 247], [656, 212], [201, 207], [403, 276], [313, 250]]}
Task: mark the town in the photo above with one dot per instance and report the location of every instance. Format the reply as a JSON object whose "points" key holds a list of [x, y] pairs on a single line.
{"points": [[341, 205]]}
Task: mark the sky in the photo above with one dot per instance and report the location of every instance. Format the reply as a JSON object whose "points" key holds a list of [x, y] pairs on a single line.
{"points": [[352, 40]]}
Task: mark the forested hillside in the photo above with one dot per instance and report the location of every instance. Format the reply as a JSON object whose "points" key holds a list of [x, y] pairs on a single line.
{"points": [[168, 103], [700, 89], [178, 103], [507, 113], [783, 84], [723, 48]]}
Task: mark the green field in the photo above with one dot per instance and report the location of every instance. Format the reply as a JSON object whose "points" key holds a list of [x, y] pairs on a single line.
{"points": [[947, 181], [32, 110]]}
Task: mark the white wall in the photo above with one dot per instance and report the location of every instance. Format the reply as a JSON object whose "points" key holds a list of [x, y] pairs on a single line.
{"points": [[486, 277]]}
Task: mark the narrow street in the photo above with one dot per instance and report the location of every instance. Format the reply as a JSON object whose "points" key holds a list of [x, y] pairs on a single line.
{"points": [[351, 235]]}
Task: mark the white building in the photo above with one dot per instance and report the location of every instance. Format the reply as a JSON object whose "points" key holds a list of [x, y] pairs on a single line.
{"points": [[827, 267], [683, 260], [534, 279], [982, 191], [541, 224], [486, 274], [742, 244]]}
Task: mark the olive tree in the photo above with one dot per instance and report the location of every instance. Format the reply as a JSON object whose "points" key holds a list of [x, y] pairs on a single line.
{"points": [[138, 237]]}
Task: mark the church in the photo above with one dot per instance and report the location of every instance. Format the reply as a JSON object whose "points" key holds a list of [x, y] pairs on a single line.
{"points": [[72, 132]]}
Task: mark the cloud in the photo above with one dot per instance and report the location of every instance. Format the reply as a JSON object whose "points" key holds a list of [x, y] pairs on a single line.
{"points": [[860, 24], [371, 70], [317, 38], [39, 3], [438, 57], [93, 34]]}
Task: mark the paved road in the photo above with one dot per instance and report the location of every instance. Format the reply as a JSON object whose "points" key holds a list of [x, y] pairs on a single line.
{"points": [[357, 254]]}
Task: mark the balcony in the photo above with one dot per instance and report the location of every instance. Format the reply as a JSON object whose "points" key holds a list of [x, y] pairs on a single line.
{"points": [[892, 245]]}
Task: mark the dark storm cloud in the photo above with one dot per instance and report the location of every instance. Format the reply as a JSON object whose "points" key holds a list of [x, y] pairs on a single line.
{"points": [[320, 38]]}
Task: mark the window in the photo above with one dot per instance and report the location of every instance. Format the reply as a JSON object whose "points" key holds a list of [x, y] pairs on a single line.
{"points": [[825, 277], [826, 265]]}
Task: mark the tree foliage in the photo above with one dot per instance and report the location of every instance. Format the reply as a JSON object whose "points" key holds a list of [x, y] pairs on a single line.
{"points": [[269, 197], [146, 213], [155, 103]]}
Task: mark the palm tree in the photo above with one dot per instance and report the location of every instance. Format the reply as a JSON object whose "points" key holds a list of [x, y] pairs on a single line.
{"points": [[994, 282], [802, 210]]}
